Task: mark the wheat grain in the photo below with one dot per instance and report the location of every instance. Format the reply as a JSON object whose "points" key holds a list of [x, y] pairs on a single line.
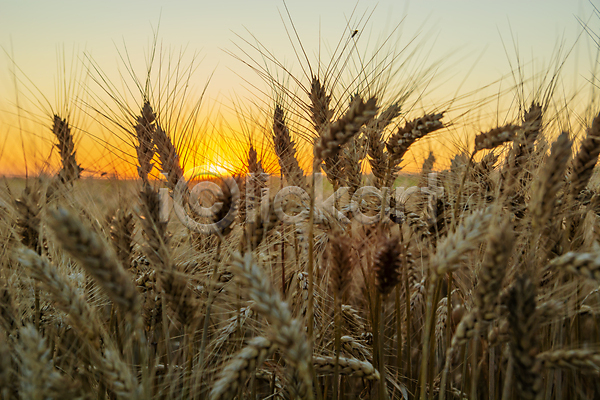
{"points": [[348, 366]]}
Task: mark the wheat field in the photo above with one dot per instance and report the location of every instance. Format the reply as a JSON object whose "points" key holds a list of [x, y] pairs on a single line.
{"points": [[480, 282]]}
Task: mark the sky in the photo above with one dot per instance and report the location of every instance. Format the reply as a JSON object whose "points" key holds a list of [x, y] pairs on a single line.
{"points": [[470, 45]]}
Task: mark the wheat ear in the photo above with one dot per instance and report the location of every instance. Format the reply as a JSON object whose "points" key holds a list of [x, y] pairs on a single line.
{"points": [[335, 135], [375, 143], [340, 259], [523, 151], [348, 366], [492, 271], [467, 237], [319, 110], [387, 265], [6, 369], [8, 312], [586, 265], [466, 329], [168, 157], [121, 234], [451, 251], [495, 137], [550, 180], [39, 377], [66, 148], [285, 331], [285, 149], [399, 143], [96, 258], [174, 283], [144, 128], [583, 164], [352, 321], [244, 363], [577, 359], [66, 296], [351, 162], [524, 348], [224, 334], [29, 207], [356, 348]]}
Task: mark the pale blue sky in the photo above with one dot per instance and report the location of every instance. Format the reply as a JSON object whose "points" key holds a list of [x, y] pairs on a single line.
{"points": [[34, 30]]}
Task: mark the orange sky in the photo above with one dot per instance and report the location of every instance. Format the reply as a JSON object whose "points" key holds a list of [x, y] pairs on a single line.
{"points": [[472, 50]]}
